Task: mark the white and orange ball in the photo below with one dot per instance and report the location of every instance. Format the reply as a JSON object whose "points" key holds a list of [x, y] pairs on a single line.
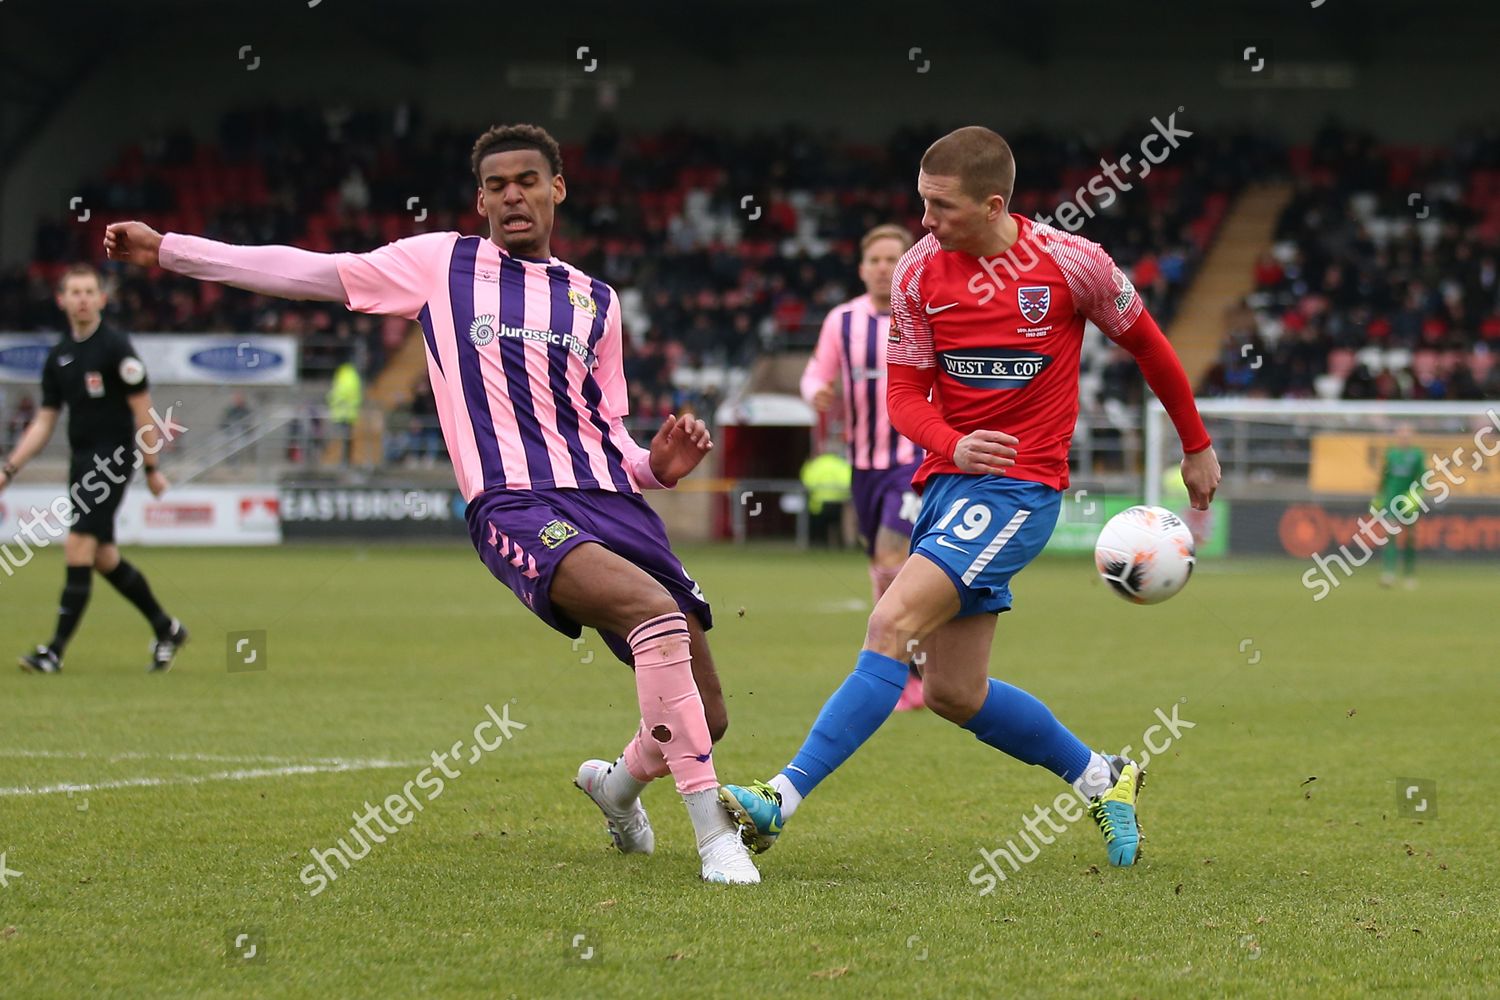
{"points": [[1145, 554]]}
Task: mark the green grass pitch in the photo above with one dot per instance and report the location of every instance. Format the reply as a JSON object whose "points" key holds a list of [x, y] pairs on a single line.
{"points": [[208, 789]]}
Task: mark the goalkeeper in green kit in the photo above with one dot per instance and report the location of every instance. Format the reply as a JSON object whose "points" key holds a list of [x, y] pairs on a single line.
{"points": [[1400, 474]]}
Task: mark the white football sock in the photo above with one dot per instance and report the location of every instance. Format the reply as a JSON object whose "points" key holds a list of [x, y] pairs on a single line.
{"points": [[790, 797], [708, 816], [619, 786], [1095, 779]]}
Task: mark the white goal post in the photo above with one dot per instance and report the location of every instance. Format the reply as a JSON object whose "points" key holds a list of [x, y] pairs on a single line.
{"points": [[1265, 445]]}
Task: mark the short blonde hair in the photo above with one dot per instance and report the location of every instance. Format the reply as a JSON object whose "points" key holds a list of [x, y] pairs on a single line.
{"points": [[886, 231], [79, 271], [978, 157]]}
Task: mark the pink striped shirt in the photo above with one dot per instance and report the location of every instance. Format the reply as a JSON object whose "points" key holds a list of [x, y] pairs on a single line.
{"points": [[524, 357], [851, 348]]}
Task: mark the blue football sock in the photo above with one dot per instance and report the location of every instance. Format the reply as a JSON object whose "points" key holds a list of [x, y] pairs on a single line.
{"points": [[1014, 722], [865, 700]]}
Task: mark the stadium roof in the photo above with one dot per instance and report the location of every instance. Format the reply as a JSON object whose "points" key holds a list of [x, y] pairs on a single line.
{"points": [[48, 48]]}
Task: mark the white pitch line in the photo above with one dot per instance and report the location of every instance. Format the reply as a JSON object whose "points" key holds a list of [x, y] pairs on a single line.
{"points": [[211, 758], [329, 767]]}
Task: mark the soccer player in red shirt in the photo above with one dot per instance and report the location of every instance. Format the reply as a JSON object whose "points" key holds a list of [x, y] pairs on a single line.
{"points": [[987, 319]]}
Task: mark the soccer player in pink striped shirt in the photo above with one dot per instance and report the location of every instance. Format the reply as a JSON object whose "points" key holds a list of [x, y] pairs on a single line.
{"points": [[851, 353], [524, 355]]}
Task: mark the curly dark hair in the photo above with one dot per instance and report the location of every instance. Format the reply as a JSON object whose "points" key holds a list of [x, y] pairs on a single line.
{"points": [[503, 138]]}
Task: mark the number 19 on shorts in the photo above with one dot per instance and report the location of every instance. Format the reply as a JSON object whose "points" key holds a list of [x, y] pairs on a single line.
{"points": [[973, 521]]}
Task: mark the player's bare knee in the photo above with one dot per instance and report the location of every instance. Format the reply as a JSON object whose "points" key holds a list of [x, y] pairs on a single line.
{"points": [[889, 632], [649, 604], [953, 702]]}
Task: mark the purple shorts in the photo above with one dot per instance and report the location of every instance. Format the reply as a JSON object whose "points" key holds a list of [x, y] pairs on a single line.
{"points": [[883, 498], [523, 535]]}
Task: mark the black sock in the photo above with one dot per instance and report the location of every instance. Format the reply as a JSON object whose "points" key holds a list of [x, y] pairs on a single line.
{"points": [[75, 597], [129, 581]]}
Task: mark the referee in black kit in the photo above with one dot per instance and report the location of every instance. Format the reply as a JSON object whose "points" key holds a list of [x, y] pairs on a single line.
{"points": [[96, 374]]}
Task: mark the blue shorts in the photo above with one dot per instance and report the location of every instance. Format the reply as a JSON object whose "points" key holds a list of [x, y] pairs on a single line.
{"points": [[982, 530]]}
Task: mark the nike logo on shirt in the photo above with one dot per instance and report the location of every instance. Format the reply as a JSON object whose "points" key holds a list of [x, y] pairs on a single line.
{"points": [[931, 311], [943, 541], [64, 361]]}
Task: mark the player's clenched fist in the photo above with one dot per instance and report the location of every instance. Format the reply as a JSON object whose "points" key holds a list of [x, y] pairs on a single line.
{"points": [[132, 242], [985, 452]]}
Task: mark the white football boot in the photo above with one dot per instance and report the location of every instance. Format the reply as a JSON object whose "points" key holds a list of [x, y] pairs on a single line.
{"points": [[726, 859], [629, 828]]}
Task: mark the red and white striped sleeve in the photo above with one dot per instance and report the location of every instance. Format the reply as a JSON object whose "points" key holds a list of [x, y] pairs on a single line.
{"points": [[910, 339], [1101, 291]]}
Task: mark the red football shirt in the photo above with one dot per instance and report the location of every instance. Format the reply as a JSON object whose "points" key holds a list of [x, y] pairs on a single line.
{"points": [[1005, 335]]}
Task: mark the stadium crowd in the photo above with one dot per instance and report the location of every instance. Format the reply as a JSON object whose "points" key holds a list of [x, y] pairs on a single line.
{"points": [[721, 245], [1383, 280]]}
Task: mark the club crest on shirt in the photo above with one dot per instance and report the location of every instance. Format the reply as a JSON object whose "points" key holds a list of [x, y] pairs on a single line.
{"points": [[1034, 301], [94, 383], [1125, 288], [583, 302], [555, 532], [482, 330]]}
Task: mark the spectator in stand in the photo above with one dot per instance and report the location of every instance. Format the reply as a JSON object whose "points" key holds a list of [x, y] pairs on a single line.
{"points": [[344, 398], [1355, 267], [20, 418], [400, 433], [429, 433], [236, 421], [236, 416], [658, 213]]}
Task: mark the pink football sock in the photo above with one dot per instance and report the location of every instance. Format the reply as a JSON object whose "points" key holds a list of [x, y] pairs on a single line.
{"points": [[643, 758], [671, 708]]}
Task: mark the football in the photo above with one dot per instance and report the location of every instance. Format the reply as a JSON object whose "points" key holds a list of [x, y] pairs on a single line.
{"points": [[1145, 554]]}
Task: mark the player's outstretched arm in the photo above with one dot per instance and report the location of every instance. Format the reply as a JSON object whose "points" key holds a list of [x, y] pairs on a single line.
{"points": [[280, 271], [1105, 295], [1163, 371]]}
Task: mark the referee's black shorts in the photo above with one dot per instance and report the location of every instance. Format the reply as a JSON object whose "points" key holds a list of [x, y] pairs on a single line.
{"points": [[94, 494]]}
